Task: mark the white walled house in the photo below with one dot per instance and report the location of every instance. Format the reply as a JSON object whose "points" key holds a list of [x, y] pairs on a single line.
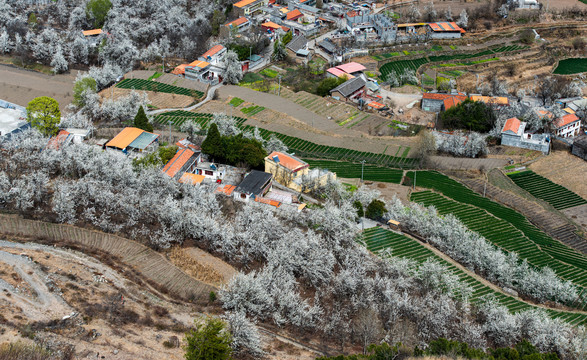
{"points": [[567, 126]]}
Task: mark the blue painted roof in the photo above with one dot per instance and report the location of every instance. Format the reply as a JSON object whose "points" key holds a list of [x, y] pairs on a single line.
{"points": [[143, 140]]}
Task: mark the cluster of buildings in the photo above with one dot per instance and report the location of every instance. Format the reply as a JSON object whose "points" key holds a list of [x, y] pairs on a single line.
{"points": [[357, 88], [284, 178], [208, 68]]}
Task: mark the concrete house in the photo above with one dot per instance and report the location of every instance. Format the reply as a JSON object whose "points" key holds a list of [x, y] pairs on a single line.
{"points": [[184, 161], [255, 184], [513, 134], [214, 55], [249, 7], [567, 126], [372, 25], [298, 47], [435, 102], [350, 90], [239, 25], [445, 30], [285, 168]]}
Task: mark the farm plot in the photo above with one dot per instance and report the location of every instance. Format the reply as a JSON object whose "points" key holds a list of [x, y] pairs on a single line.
{"points": [[307, 149], [236, 101], [377, 239], [178, 117], [542, 188], [252, 110], [571, 66], [141, 84], [501, 233], [400, 66], [566, 262], [353, 170]]}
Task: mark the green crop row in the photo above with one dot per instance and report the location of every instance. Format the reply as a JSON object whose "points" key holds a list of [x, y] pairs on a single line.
{"points": [[571, 66], [178, 117], [252, 110], [236, 101], [355, 170], [377, 239], [542, 188], [571, 263], [147, 85]]}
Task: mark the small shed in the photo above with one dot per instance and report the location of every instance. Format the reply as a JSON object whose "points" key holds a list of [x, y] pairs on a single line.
{"points": [[393, 224]]}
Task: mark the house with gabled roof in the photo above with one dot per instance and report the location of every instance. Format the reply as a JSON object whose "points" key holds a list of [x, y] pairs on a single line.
{"points": [[184, 161], [512, 134], [249, 7], [239, 25], [435, 102], [298, 47], [255, 184], [568, 125], [214, 55], [350, 90], [132, 139]]}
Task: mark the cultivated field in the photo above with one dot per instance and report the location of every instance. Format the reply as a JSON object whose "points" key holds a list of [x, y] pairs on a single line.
{"points": [[542, 188], [502, 226], [377, 239], [561, 167], [158, 99], [354, 170], [571, 66], [150, 85]]}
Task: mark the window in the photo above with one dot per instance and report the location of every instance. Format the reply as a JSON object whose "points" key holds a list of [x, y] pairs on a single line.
{"points": [[243, 196], [208, 172]]}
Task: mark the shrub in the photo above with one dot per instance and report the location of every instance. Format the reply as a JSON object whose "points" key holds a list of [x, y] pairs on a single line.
{"points": [[212, 296], [209, 340], [376, 209]]}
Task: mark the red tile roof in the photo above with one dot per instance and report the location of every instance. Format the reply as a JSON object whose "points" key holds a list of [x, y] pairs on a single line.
{"points": [[565, 120], [352, 13], [294, 15], [226, 189], [213, 51], [351, 67], [452, 101], [441, 97], [446, 26], [238, 22], [287, 161], [179, 160], [243, 3], [512, 125], [56, 141], [376, 105]]}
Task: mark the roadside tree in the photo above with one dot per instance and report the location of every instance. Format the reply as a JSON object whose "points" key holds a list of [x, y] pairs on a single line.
{"points": [[43, 114], [209, 340]]}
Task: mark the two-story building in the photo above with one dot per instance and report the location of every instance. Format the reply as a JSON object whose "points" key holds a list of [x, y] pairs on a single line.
{"points": [[240, 25], [513, 134], [215, 55], [567, 126], [249, 7]]}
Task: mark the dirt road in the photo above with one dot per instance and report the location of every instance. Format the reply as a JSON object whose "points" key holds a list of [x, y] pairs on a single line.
{"points": [[20, 86]]}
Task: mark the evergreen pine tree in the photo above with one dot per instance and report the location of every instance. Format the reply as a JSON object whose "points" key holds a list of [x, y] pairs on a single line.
{"points": [[212, 145], [142, 122]]}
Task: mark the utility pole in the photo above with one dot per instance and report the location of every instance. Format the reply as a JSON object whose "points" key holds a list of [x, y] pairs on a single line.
{"points": [[279, 88], [414, 187], [231, 107], [362, 169], [163, 64], [169, 122], [250, 52]]}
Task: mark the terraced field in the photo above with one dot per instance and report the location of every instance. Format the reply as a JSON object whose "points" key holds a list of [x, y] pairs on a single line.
{"points": [[571, 66], [400, 66], [501, 225], [377, 239], [556, 195], [141, 84], [302, 148], [353, 170]]}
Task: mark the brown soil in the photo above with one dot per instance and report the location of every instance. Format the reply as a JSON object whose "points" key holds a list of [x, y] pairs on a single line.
{"points": [[579, 216], [201, 265], [565, 169], [20, 86], [158, 99]]}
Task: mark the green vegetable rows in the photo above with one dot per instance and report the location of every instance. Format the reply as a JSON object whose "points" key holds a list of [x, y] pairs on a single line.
{"points": [[300, 147], [377, 239], [506, 228], [571, 66], [252, 110], [542, 188], [141, 84], [350, 170]]}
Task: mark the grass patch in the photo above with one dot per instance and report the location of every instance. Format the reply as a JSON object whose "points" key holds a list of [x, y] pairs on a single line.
{"points": [[250, 78], [236, 101], [270, 73], [571, 66], [155, 76]]}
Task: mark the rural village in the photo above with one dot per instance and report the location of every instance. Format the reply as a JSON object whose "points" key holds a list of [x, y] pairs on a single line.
{"points": [[293, 179]]}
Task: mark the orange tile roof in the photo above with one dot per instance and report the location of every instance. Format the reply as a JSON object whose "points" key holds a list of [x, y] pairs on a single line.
{"points": [[92, 32], [352, 13], [288, 161], [200, 64], [376, 105], [191, 179], [125, 137], [497, 100], [512, 124], [243, 3], [293, 15], [445, 26], [268, 201], [452, 101], [213, 51], [270, 24], [56, 141], [174, 165], [179, 70], [569, 110], [438, 96], [565, 120], [226, 189], [237, 22]]}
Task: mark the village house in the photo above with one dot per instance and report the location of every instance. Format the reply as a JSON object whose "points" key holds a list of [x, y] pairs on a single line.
{"points": [[513, 134], [132, 139], [255, 184], [249, 7], [580, 147], [298, 47], [285, 168], [493, 101], [371, 25], [567, 126], [184, 161], [350, 90], [242, 24], [350, 70], [215, 55], [93, 36], [210, 170], [445, 30], [435, 102]]}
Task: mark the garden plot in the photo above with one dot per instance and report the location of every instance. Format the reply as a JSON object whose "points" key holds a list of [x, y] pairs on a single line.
{"points": [[542, 188], [354, 170], [377, 239], [141, 84], [571, 66], [178, 117], [501, 225], [159, 100]]}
